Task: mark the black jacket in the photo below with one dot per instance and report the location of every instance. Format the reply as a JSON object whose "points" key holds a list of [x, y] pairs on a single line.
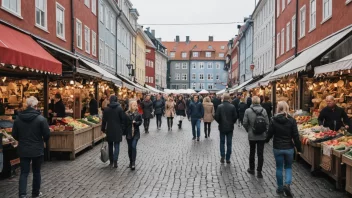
{"points": [[159, 107], [113, 118], [226, 116], [147, 107], [249, 102], [59, 109], [236, 102], [328, 116], [268, 106], [242, 107], [31, 130], [284, 129], [179, 111], [93, 107], [128, 122], [216, 102], [196, 110]]}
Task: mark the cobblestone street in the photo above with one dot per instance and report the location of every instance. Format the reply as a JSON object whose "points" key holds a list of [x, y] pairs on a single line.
{"points": [[170, 164]]}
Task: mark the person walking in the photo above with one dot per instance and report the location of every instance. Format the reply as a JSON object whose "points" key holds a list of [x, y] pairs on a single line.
{"points": [[131, 129], [170, 112], [196, 112], [249, 101], [180, 110], [268, 106], [147, 106], [31, 130], [284, 129], [236, 101], [256, 123], [226, 117], [93, 105], [113, 118], [159, 107], [216, 102], [209, 113], [242, 107]]}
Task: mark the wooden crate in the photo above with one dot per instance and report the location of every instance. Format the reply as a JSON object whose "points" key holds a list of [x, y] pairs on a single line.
{"points": [[348, 162], [311, 154], [71, 141], [97, 134], [338, 169]]}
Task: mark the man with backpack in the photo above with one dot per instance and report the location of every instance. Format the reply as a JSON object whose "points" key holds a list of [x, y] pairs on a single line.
{"points": [[256, 123]]}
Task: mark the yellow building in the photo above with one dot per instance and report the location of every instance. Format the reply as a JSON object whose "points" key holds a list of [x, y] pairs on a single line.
{"points": [[141, 43]]}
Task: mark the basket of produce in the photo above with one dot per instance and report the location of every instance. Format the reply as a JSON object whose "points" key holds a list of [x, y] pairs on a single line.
{"points": [[93, 119], [326, 135], [302, 119]]}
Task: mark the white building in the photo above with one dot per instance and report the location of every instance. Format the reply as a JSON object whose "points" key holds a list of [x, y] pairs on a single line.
{"points": [[264, 37]]}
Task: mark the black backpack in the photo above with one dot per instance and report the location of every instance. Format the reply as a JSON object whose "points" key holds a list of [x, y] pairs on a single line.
{"points": [[260, 125]]}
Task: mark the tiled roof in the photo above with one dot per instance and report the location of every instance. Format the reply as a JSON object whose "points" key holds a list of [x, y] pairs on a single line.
{"points": [[197, 46]]}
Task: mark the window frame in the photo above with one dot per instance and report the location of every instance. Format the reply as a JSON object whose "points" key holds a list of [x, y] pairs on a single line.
{"points": [[282, 41], [301, 25], [45, 27], [201, 65], [86, 47], [201, 75], [211, 65], [112, 23], [194, 76], [184, 66], [294, 31], [326, 18], [184, 75], [177, 76], [107, 17], [59, 6], [311, 17], [94, 44], [278, 45], [101, 12], [288, 40], [101, 50], [177, 65], [80, 31], [194, 66], [210, 77], [184, 54], [208, 54], [283, 5], [85, 3], [17, 13], [221, 55], [195, 53], [172, 54], [94, 7], [106, 53], [212, 86]]}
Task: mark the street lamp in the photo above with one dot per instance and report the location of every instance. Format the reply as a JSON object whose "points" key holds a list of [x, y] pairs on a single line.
{"points": [[130, 69]]}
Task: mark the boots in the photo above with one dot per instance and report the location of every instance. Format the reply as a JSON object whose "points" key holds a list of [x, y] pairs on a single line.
{"points": [[205, 132], [209, 132], [115, 164], [180, 125]]}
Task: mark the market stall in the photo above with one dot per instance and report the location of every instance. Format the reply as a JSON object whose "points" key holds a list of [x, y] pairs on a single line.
{"points": [[10, 157], [287, 90]]}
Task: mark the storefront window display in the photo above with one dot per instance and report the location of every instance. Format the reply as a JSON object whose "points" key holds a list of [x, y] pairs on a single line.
{"points": [[286, 90]]}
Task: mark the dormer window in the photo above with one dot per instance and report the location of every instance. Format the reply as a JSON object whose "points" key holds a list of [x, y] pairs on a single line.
{"points": [[210, 47]]}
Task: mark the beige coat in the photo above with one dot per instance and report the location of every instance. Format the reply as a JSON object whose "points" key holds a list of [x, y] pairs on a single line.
{"points": [[170, 109], [209, 112]]}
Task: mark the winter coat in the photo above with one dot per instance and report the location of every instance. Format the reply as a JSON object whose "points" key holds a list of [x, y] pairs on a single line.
{"points": [[328, 116], [249, 102], [159, 107], [93, 107], [226, 116], [242, 107], [170, 109], [147, 107], [128, 122], [268, 106], [180, 111], [59, 109], [196, 110], [249, 119], [31, 130], [113, 118], [236, 103], [216, 102], [209, 112], [284, 129]]}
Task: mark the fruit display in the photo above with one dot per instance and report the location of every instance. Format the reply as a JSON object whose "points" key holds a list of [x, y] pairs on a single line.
{"points": [[68, 124], [93, 119], [303, 119], [340, 143], [327, 135]]}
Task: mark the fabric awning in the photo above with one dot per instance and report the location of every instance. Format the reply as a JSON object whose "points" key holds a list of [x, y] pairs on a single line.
{"points": [[265, 81], [221, 92], [241, 86], [19, 49], [135, 85], [59, 50], [342, 64], [89, 73], [152, 89], [105, 74], [300, 62]]}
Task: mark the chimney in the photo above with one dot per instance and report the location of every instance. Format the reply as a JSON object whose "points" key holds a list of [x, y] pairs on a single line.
{"points": [[177, 38], [153, 33], [187, 39], [211, 38]]}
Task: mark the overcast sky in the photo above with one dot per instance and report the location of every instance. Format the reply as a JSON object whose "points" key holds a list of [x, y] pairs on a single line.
{"points": [[193, 11]]}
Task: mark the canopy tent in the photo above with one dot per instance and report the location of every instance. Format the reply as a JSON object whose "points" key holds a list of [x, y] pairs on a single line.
{"points": [[180, 91], [204, 92], [342, 64]]}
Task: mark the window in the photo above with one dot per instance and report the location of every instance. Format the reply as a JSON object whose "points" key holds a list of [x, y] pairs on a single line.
{"points": [[194, 86], [288, 1], [60, 21], [201, 85], [193, 76], [278, 45], [40, 13], [107, 16], [210, 65], [184, 54], [201, 76], [86, 2], [208, 54], [101, 50], [172, 54], [87, 39], [222, 47], [210, 86], [193, 65], [106, 54], [217, 77], [177, 65], [101, 12], [94, 7], [293, 31], [288, 36], [283, 4], [13, 6], [210, 77], [221, 55], [302, 27], [312, 15], [184, 65], [177, 77], [195, 54], [278, 8], [201, 65], [282, 41], [111, 58], [327, 9], [217, 65], [79, 33], [112, 23], [184, 76], [146, 79], [184, 86], [94, 43]]}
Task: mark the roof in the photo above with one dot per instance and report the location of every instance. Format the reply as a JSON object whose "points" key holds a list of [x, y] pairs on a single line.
{"points": [[196, 46]]}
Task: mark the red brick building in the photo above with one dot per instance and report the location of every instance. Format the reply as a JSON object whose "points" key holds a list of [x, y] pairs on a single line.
{"points": [[234, 72], [150, 66]]}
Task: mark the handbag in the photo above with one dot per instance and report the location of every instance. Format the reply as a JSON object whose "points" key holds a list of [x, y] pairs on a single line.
{"points": [[104, 153]]}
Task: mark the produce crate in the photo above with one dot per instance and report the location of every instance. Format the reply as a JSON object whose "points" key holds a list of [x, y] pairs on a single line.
{"points": [[71, 141], [311, 154], [336, 170], [97, 134], [348, 162]]}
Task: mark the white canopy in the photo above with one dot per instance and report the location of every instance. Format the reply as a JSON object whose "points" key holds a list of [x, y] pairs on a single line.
{"points": [[221, 92], [240, 86], [180, 91], [342, 64], [152, 89], [204, 92]]}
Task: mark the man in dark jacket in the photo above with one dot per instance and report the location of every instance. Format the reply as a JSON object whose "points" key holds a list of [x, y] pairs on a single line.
{"points": [[147, 106], [333, 116], [226, 116], [216, 102], [31, 130], [113, 117], [93, 105], [59, 107], [236, 102], [196, 112]]}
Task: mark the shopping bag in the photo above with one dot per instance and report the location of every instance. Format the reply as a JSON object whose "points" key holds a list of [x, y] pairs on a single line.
{"points": [[104, 153]]}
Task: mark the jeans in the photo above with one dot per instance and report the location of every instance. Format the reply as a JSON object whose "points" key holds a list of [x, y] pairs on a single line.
{"points": [[283, 158], [195, 122], [260, 151], [228, 137], [1, 161], [207, 126], [158, 120], [170, 122], [114, 148], [25, 168], [132, 149], [146, 123]]}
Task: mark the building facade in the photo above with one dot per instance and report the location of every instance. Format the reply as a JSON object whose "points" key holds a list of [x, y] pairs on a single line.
{"points": [[150, 77], [246, 50], [234, 68], [264, 37]]}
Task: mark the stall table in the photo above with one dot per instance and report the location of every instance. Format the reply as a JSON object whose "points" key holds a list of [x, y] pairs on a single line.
{"points": [[11, 161], [336, 170], [97, 134], [311, 154], [348, 162]]}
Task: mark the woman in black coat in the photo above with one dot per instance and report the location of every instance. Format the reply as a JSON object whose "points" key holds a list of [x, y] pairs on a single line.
{"points": [[147, 106], [268, 106], [242, 107], [180, 110], [159, 108], [131, 129]]}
